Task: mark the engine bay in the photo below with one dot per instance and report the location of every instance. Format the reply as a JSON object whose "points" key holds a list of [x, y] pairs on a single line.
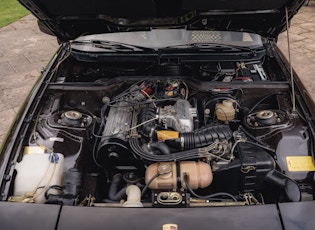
{"points": [[160, 138]]}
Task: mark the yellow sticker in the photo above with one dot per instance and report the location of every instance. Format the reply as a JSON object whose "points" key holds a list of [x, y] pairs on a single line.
{"points": [[33, 150], [300, 164]]}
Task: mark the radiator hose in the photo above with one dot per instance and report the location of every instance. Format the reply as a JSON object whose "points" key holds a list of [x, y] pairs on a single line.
{"points": [[114, 194]]}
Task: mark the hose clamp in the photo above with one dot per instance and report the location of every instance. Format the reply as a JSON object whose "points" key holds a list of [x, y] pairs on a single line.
{"points": [[182, 142]]}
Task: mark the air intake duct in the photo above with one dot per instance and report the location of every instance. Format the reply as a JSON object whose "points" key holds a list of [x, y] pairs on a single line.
{"points": [[180, 140], [201, 137], [189, 142]]}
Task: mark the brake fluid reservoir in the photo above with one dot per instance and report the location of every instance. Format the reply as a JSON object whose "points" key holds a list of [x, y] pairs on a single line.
{"points": [[225, 110], [36, 173]]}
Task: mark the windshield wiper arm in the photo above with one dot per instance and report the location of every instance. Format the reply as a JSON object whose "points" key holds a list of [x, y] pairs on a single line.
{"points": [[111, 46], [212, 46]]}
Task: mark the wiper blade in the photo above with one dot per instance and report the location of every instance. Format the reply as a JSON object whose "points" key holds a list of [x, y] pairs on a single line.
{"points": [[211, 46], [110, 46]]}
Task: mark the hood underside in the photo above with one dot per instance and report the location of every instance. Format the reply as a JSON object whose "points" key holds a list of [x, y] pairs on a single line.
{"points": [[70, 19]]}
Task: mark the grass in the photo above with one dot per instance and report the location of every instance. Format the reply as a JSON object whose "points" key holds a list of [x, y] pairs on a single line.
{"points": [[10, 11]]}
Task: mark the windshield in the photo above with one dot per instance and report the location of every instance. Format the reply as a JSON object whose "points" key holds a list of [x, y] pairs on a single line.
{"points": [[159, 38]]}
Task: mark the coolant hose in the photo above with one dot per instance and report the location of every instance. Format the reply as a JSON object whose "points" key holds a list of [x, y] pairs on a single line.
{"points": [[159, 146], [133, 193], [113, 193]]}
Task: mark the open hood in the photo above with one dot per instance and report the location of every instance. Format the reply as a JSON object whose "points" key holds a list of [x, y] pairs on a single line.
{"points": [[69, 19]]}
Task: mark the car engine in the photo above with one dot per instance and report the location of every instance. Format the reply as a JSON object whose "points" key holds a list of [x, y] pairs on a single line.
{"points": [[164, 141]]}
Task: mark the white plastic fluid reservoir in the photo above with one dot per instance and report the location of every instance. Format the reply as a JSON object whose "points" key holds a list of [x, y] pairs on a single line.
{"points": [[36, 173], [225, 110]]}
